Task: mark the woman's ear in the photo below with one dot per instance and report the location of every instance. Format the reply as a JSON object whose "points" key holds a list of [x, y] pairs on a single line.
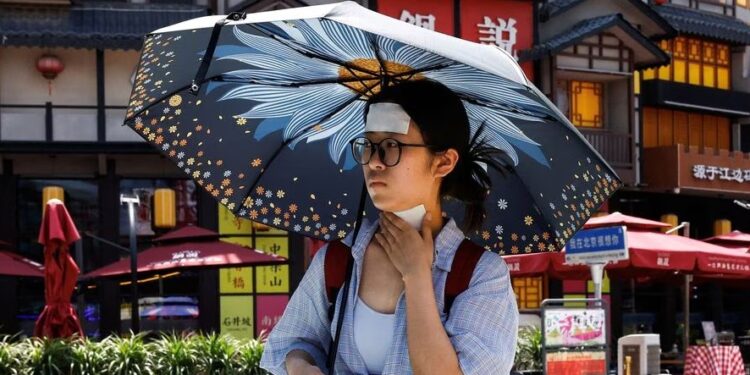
{"points": [[445, 162]]}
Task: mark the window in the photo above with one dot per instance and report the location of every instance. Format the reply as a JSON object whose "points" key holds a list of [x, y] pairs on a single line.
{"points": [[528, 291], [694, 61], [586, 104], [665, 127]]}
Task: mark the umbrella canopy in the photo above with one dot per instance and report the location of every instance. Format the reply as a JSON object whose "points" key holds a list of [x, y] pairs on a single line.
{"points": [[649, 252], [260, 111], [733, 240], [57, 232], [12, 264], [630, 222], [189, 253]]}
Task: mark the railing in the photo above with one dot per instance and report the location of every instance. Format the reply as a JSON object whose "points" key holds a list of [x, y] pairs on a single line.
{"points": [[64, 123], [617, 149]]}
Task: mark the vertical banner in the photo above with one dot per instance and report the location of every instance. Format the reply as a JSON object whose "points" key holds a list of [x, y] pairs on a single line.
{"points": [[236, 315], [236, 280], [436, 15], [270, 309], [272, 279], [231, 224], [507, 24]]}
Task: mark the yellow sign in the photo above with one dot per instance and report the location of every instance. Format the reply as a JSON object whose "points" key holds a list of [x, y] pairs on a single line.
{"points": [[272, 279], [236, 280], [231, 224], [237, 316]]}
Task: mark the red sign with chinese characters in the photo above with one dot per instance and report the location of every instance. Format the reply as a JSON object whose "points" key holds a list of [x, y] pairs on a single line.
{"points": [[269, 310], [436, 15], [507, 24]]}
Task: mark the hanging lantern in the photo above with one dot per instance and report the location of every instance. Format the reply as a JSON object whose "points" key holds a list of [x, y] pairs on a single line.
{"points": [[670, 219], [165, 213], [50, 66], [52, 192]]}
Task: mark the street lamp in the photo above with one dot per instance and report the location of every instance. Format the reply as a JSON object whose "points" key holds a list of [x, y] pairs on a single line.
{"points": [[132, 201]]}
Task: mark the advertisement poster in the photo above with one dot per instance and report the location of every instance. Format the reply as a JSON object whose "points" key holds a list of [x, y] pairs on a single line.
{"points": [[272, 279], [236, 316], [270, 309], [574, 327], [576, 363]]}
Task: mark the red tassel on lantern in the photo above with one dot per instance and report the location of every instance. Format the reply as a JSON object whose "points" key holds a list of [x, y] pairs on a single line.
{"points": [[50, 66]]}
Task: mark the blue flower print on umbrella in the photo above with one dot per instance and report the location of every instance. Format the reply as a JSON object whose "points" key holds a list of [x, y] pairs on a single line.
{"points": [[260, 111]]}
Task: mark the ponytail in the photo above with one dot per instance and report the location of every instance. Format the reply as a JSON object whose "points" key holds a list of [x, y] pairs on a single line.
{"points": [[469, 182]]}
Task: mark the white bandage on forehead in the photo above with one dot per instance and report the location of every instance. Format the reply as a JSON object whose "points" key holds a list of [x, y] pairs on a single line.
{"points": [[387, 117]]}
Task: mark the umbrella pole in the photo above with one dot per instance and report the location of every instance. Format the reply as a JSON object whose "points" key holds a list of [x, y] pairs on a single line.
{"points": [[135, 323], [686, 330]]}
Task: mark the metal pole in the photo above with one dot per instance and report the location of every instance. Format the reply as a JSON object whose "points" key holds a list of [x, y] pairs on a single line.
{"points": [[597, 273], [133, 201], [688, 279]]}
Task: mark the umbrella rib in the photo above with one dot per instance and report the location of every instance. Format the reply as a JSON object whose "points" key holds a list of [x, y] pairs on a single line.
{"points": [[291, 84], [301, 50], [290, 140]]}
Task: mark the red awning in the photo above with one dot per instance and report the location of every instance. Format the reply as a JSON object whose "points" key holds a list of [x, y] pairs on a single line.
{"points": [[12, 264], [192, 253]]}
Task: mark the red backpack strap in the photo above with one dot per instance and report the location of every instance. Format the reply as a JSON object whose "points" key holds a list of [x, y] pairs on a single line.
{"points": [[458, 279], [337, 260]]}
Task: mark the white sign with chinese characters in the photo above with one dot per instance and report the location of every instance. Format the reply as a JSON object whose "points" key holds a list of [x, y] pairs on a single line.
{"points": [[426, 21], [500, 32], [712, 172]]}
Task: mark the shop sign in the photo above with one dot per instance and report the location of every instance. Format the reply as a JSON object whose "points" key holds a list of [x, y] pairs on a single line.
{"points": [[435, 15], [712, 172], [236, 280], [272, 279], [599, 245], [236, 316]]}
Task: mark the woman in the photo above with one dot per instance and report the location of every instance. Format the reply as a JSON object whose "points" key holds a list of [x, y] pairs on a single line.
{"points": [[416, 151]]}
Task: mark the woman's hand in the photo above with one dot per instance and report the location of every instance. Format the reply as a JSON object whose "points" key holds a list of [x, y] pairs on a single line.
{"points": [[411, 252]]}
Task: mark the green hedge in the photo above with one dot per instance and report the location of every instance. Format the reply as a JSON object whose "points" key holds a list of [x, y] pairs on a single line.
{"points": [[167, 354]]}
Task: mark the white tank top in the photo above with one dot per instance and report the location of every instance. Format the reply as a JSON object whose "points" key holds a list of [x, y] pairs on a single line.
{"points": [[373, 335]]}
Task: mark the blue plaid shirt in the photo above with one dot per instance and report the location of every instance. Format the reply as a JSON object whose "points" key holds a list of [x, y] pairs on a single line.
{"points": [[482, 324]]}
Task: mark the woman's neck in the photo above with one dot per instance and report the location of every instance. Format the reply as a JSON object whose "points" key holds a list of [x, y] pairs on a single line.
{"points": [[437, 222]]}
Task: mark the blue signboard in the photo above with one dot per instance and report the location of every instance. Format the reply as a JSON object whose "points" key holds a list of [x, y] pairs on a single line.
{"points": [[599, 245]]}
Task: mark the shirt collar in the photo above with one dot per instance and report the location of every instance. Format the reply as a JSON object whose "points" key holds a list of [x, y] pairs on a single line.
{"points": [[446, 242]]}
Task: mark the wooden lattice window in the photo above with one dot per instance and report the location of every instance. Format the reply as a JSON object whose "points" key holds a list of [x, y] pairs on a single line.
{"points": [[694, 61], [528, 292], [586, 104]]}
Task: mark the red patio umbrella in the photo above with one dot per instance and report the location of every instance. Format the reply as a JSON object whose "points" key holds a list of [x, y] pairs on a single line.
{"points": [[733, 240], [58, 319], [189, 247], [12, 264]]}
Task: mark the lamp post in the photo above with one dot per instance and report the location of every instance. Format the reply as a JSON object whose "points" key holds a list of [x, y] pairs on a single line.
{"points": [[132, 201]]}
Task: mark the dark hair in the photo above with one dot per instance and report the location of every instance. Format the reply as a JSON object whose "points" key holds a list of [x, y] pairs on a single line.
{"points": [[444, 124]]}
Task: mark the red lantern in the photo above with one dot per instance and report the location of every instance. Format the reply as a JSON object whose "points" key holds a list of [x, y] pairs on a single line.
{"points": [[50, 66]]}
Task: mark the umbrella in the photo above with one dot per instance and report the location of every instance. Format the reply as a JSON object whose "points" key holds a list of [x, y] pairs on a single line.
{"points": [[12, 264], [189, 247], [260, 110], [58, 319], [735, 240]]}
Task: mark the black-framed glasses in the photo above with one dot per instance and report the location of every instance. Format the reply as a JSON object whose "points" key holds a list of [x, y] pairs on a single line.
{"points": [[388, 150]]}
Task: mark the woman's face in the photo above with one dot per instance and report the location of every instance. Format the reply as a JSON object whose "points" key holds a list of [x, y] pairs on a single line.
{"points": [[413, 181]]}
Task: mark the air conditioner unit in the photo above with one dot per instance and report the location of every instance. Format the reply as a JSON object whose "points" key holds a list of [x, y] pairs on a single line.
{"points": [[638, 354]]}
